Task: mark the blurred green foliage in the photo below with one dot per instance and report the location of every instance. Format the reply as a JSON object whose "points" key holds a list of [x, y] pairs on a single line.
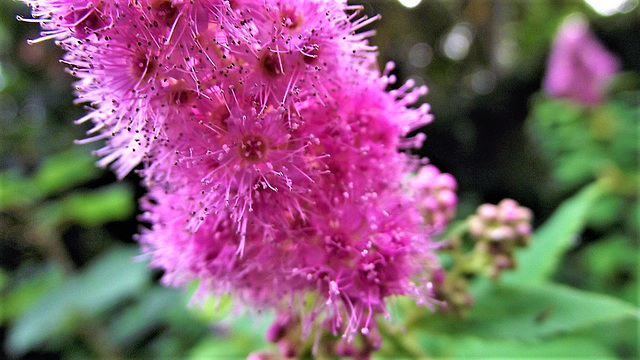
{"points": [[73, 286]]}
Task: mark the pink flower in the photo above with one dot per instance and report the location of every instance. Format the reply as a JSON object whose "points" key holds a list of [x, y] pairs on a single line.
{"points": [[579, 66], [435, 196], [269, 146], [285, 50], [63, 19], [245, 207]]}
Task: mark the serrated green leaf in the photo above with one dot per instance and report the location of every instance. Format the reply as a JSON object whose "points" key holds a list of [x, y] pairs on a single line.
{"points": [[504, 311], [538, 262], [111, 203], [65, 170]]}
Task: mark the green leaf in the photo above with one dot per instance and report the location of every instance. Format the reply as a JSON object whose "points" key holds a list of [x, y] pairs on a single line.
{"points": [[246, 337], [111, 203], [3, 279], [213, 308], [99, 287], [634, 216], [622, 336], [16, 190], [611, 267], [471, 347], [605, 211], [605, 257], [65, 170], [138, 320], [534, 311], [577, 168], [27, 292], [48, 317], [557, 235], [4, 308], [111, 278]]}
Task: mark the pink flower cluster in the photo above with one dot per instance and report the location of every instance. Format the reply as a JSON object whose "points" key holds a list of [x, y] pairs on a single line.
{"points": [[268, 143], [498, 230], [579, 66], [436, 195]]}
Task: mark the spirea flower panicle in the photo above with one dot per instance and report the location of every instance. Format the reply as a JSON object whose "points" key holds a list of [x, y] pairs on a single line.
{"points": [[579, 65], [269, 146]]}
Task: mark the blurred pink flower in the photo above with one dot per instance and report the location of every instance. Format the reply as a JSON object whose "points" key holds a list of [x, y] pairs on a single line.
{"points": [[579, 66], [435, 194]]}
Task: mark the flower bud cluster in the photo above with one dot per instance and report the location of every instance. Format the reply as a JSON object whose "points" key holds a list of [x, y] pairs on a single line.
{"points": [[499, 230], [435, 194], [285, 333], [496, 232], [453, 291]]}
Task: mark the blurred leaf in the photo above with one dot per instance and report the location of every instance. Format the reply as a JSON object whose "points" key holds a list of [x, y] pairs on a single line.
{"points": [[3, 279], [623, 147], [4, 308], [30, 290], [606, 255], [105, 282], [634, 216], [138, 320], [246, 336], [623, 82], [622, 336], [16, 190], [110, 203], [233, 346], [552, 112], [470, 347], [605, 210], [48, 317], [211, 309], [612, 267], [581, 141], [532, 311], [65, 170], [165, 346], [111, 278], [576, 168], [538, 262]]}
